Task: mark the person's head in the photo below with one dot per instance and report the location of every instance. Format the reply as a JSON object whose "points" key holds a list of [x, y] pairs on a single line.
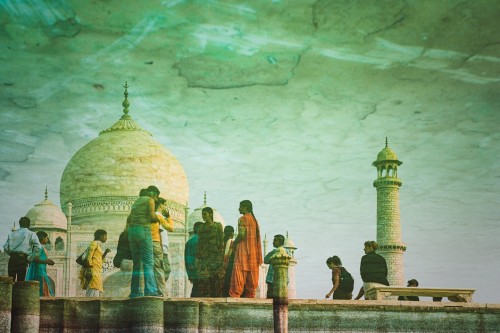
{"points": [[279, 240], [153, 192], [43, 237], [24, 222], [143, 192], [245, 207], [228, 232], [160, 204], [333, 262], [412, 283], [370, 246], [196, 227], [207, 214], [101, 235]]}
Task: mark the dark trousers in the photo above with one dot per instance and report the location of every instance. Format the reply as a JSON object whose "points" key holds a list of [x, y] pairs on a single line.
{"points": [[195, 292], [17, 266], [270, 290]]}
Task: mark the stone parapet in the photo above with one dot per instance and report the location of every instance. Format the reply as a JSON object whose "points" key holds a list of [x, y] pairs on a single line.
{"points": [[153, 314]]}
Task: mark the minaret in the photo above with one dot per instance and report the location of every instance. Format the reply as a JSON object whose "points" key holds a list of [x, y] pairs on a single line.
{"points": [[388, 221]]}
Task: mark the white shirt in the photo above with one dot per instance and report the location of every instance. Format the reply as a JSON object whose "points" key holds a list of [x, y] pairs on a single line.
{"points": [[163, 235], [24, 241]]}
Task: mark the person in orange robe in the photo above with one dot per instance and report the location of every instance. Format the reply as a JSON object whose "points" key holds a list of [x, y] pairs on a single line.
{"points": [[248, 254]]}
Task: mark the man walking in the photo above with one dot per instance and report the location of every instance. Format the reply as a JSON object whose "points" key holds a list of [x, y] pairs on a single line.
{"points": [[22, 246], [248, 254]]}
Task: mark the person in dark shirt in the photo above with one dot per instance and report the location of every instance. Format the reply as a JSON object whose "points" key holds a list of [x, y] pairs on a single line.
{"points": [[190, 254], [373, 268], [411, 283]]}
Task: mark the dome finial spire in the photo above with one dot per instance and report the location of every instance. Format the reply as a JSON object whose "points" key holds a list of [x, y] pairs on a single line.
{"points": [[125, 103], [205, 198], [386, 142], [46, 196]]}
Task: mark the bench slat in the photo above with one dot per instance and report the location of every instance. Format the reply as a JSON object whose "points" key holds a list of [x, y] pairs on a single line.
{"points": [[456, 295]]}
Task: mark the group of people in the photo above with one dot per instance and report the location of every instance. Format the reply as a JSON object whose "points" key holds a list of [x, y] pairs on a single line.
{"points": [[145, 242], [373, 269], [218, 265], [27, 257]]}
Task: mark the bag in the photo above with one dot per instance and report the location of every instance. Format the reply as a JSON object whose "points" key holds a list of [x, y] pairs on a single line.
{"points": [[346, 280], [117, 260], [80, 260]]}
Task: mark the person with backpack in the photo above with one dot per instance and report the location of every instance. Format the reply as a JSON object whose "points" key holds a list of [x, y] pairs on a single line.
{"points": [[343, 283]]}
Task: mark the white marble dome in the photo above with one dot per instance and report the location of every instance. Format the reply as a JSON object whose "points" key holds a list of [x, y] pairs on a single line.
{"points": [[121, 161], [47, 215]]}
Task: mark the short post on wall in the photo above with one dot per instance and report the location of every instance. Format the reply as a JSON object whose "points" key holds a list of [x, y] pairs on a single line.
{"points": [[25, 307], [280, 262], [6, 284]]}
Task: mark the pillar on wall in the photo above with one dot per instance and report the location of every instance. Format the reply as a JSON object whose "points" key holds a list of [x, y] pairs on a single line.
{"points": [[25, 307], [6, 284]]}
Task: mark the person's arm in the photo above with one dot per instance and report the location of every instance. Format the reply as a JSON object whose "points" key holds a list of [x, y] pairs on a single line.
{"points": [[360, 294], [189, 259], [267, 258], [152, 211], [105, 253], [166, 222], [242, 232], [220, 238], [6, 246], [336, 283], [36, 247], [92, 248], [44, 262]]}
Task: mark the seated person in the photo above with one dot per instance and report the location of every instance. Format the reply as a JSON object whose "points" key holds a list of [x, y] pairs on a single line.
{"points": [[411, 283]]}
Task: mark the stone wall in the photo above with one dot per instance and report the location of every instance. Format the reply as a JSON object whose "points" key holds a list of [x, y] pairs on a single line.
{"points": [[152, 314]]}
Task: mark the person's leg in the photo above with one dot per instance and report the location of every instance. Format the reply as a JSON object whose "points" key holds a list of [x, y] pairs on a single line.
{"points": [[11, 271], [158, 268], [22, 268], [150, 288], [251, 284], [17, 266], [237, 282], [166, 266], [135, 237], [203, 287], [269, 290], [92, 293], [195, 291]]}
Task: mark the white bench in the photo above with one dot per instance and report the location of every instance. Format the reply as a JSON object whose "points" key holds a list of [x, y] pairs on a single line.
{"points": [[454, 295]]}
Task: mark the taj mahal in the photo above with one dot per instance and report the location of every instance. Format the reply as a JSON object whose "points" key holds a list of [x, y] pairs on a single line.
{"points": [[98, 187]]}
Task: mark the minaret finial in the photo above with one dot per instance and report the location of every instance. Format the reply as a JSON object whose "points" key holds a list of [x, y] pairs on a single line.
{"points": [[205, 198], [126, 103], [46, 196], [386, 143]]}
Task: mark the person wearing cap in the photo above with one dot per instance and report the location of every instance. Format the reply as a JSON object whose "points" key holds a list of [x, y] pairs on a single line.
{"points": [[411, 283], [142, 214]]}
